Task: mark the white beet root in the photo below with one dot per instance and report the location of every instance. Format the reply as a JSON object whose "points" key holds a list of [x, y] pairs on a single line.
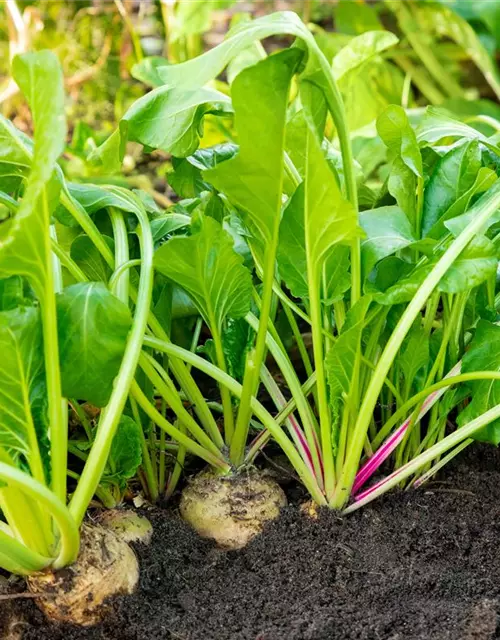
{"points": [[128, 525], [231, 509], [106, 567]]}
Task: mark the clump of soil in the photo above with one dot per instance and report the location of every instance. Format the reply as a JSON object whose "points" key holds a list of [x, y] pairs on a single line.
{"points": [[419, 565]]}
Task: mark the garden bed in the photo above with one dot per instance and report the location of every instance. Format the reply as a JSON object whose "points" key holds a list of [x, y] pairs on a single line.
{"points": [[417, 565]]}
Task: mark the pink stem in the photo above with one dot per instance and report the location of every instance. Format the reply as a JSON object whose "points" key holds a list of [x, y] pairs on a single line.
{"points": [[390, 444]]}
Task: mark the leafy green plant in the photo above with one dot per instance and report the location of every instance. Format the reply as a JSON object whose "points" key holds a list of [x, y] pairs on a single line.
{"points": [[382, 289], [58, 342]]}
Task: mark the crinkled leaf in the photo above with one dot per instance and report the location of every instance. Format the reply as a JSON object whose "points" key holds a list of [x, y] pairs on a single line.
{"points": [[93, 326], [206, 266]]}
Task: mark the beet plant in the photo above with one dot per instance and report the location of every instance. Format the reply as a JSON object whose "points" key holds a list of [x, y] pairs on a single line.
{"points": [[392, 293], [58, 342]]}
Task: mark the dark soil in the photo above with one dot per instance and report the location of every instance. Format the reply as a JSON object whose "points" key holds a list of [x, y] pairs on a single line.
{"points": [[418, 565]]}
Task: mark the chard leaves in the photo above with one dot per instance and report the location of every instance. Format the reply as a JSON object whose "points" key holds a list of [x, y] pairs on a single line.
{"points": [[93, 326], [206, 266], [125, 455]]}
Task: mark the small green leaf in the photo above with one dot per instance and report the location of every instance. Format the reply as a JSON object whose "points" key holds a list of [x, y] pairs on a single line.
{"points": [[437, 124], [453, 176], [483, 355], [341, 359], [93, 326], [206, 266], [125, 456], [23, 378], [414, 354], [387, 231]]}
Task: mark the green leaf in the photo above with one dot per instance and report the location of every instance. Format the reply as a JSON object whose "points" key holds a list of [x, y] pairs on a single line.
{"points": [[237, 340], [414, 354], [483, 355], [341, 359], [93, 326], [186, 178], [253, 179], [84, 252], [23, 241], [437, 124], [125, 455], [477, 262], [23, 378], [206, 266], [11, 293], [394, 281], [453, 176], [167, 119], [361, 49], [387, 230], [165, 225], [292, 257], [329, 219], [93, 198], [395, 130], [455, 222], [147, 70]]}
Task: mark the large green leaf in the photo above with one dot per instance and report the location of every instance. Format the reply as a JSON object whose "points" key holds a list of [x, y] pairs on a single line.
{"points": [[253, 179], [387, 230], [93, 326], [206, 266], [292, 257], [453, 176], [166, 119], [329, 219], [483, 355], [93, 198], [23, 239], [23, 378]]}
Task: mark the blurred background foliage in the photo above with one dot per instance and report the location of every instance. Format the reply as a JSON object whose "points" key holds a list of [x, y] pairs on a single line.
{"points": [[447, 55]]}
